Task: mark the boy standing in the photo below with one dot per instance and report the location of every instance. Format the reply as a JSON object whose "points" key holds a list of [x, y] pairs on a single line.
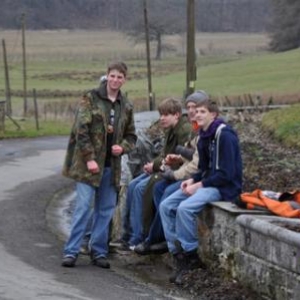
{"points": [[93, 160]]}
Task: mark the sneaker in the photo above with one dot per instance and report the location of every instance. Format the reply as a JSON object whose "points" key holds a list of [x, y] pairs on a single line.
{"points": [[68, 261], [101, 262], [142, 248], [132, 247]]}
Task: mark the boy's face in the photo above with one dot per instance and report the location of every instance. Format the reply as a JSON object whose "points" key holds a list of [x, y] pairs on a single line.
{"points": [[169, 120], [191, 110], [115, 80], [204, 117]]}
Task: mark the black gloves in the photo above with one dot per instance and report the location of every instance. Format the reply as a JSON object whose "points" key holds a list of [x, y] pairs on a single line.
{"points": [[168, 174]]}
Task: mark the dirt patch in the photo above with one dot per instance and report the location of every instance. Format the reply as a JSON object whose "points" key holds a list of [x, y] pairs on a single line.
{"points": [[268, 165], [209, 285], [201, 284]]}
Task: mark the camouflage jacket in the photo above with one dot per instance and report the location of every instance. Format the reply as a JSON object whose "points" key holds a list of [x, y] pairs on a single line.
{"points": [[89, 134], [173, 137]]}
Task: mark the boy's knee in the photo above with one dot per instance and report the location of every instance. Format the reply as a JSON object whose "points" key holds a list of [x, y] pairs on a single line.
{"points": [[182, 209]]}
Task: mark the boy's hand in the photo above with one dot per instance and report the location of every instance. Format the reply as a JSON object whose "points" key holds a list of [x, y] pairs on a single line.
{"points": [[186, 183], [172, 159], [192, 188], [116, 150], [93, 166]]}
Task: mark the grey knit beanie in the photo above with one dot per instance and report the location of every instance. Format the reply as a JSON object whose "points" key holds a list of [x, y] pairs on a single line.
{"points": [[196, 97]]}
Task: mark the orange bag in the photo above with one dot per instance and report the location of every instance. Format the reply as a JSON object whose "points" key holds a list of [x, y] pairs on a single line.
{"points": [[284, 206]]}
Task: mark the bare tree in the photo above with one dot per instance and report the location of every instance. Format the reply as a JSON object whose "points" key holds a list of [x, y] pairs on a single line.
{"points": [[165, 17]]}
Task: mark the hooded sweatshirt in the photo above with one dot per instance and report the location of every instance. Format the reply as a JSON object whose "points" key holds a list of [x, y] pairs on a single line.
{"points": [[220, 163]]}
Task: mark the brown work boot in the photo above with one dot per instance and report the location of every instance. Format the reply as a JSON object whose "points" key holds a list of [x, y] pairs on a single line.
{"points": [[179, 264], [190, 261]]}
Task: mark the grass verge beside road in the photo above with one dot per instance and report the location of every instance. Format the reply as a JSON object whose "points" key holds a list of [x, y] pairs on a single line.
{"points": [[28, 128], [284, 125]]}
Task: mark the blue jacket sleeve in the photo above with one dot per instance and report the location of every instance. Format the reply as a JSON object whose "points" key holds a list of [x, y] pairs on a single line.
{"points": [[224, 160]]}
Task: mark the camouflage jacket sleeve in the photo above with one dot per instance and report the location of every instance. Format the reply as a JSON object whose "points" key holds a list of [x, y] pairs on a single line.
{"points": [[180, 134], [82, 128], [129, 136]]}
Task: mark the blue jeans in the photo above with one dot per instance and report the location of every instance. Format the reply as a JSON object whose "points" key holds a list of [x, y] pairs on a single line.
{"points": [[105, 197], [125, 213], [161, 190], [134, 205], [179, 213]]}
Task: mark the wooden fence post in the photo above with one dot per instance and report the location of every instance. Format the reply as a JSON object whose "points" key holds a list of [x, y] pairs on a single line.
{"points": [[2, 116], [36, 112]]}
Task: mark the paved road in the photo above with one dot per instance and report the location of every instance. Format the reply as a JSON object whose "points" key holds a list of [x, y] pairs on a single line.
{"points": [[30, 252]]}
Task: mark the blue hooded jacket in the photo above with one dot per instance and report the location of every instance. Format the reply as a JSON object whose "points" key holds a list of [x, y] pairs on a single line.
{"points": [[220, 162]]}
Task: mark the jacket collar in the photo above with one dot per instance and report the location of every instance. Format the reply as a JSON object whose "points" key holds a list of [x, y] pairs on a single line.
{"points": [[102, 92]]}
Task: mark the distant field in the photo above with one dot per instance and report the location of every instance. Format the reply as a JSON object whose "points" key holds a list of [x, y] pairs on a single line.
{"points": [[61, 64], [104, 46]]}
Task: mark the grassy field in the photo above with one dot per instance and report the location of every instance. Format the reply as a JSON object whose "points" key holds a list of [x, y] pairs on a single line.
{"points": [[62, 64], [74, 60], [228, 64]]}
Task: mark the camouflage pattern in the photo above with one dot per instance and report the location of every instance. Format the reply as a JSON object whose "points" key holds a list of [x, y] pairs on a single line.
{"points": [[88, 136], [178, 135]]}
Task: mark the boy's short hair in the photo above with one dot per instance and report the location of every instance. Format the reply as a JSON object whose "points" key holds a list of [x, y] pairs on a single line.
{"points": [[211, 105], [119, 66], [170, 106]]}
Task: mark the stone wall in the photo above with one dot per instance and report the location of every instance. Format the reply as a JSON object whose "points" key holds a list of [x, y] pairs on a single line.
{"points": [[259, 250]]}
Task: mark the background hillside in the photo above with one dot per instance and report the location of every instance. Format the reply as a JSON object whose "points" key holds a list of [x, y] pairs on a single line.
{"points": [[211, 15]]}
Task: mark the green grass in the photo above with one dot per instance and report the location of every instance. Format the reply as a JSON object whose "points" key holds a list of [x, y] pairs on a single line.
{"points": [[285, 125], [28, 128], [54, 64], [268, 73], [74, 60]]}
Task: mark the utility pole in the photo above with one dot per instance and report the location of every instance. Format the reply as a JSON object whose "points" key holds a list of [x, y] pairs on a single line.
{"points": [[150, 93], [24, 66], [117, 14], [7, 85], [191, 68]]}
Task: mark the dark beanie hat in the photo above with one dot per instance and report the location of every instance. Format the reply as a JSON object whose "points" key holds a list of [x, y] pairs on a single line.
{"points": [[196, 97]]}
